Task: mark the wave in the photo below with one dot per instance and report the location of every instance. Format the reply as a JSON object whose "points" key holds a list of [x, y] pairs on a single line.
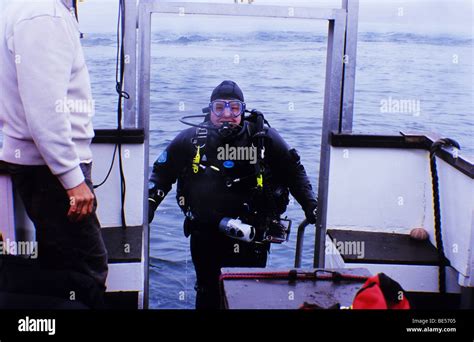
{"points": [[165, 39], [98, 40], [288, 36], [308, 37], [171, 39], [258, 37], [408, 37]]}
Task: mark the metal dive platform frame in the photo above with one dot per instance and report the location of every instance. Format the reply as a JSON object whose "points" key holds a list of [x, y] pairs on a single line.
{"points": [[339, 81]]}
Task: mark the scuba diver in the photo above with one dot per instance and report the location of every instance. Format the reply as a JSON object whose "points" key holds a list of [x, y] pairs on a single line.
{"points": [[234, 177]]}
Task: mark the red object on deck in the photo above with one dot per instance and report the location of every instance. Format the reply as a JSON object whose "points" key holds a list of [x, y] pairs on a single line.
{"points": [[381, 292]]}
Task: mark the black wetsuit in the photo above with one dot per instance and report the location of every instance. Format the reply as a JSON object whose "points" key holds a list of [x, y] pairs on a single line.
{"points": [[206, 197]]}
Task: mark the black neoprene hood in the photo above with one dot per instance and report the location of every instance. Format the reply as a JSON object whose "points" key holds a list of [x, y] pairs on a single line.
{"points": [[227, 90]]}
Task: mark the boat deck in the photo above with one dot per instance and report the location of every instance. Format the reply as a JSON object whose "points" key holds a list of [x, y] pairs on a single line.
{"points": [[385, 248], [281, 293]]}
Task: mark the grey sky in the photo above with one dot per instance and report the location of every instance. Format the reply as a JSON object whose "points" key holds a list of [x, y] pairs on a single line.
{"points": [[419, 16]]}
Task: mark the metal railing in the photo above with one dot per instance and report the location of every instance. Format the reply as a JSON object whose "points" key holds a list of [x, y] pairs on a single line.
{"points": [[300, 242]]}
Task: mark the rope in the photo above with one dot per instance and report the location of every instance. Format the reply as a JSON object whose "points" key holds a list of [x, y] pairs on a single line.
{"points": [[294, 275], [119, 78], [437, 211]]}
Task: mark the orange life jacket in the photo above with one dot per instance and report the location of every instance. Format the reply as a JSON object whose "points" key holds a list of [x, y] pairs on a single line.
{"points": [[381, 292]]}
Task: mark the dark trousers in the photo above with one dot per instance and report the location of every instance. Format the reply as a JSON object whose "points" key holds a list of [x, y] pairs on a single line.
{"points": [[212, 251], [62, 244]]}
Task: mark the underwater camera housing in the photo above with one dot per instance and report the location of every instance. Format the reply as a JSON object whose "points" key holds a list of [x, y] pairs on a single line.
{"points": [[277, 232], [236, 229]]}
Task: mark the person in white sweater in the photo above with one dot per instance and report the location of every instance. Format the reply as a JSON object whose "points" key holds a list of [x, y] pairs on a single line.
{"points": [[46, 111]]}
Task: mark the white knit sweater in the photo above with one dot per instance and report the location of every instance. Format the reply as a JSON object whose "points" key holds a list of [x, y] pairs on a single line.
{"points": [[46, 106]]}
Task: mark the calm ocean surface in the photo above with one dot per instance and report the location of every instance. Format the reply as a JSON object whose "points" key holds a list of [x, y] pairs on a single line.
{"points": [[282, 74]]}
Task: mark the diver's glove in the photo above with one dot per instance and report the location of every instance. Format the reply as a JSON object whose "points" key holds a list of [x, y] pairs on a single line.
{"points": [[311, 214], [152, 205], [154, 199]]}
